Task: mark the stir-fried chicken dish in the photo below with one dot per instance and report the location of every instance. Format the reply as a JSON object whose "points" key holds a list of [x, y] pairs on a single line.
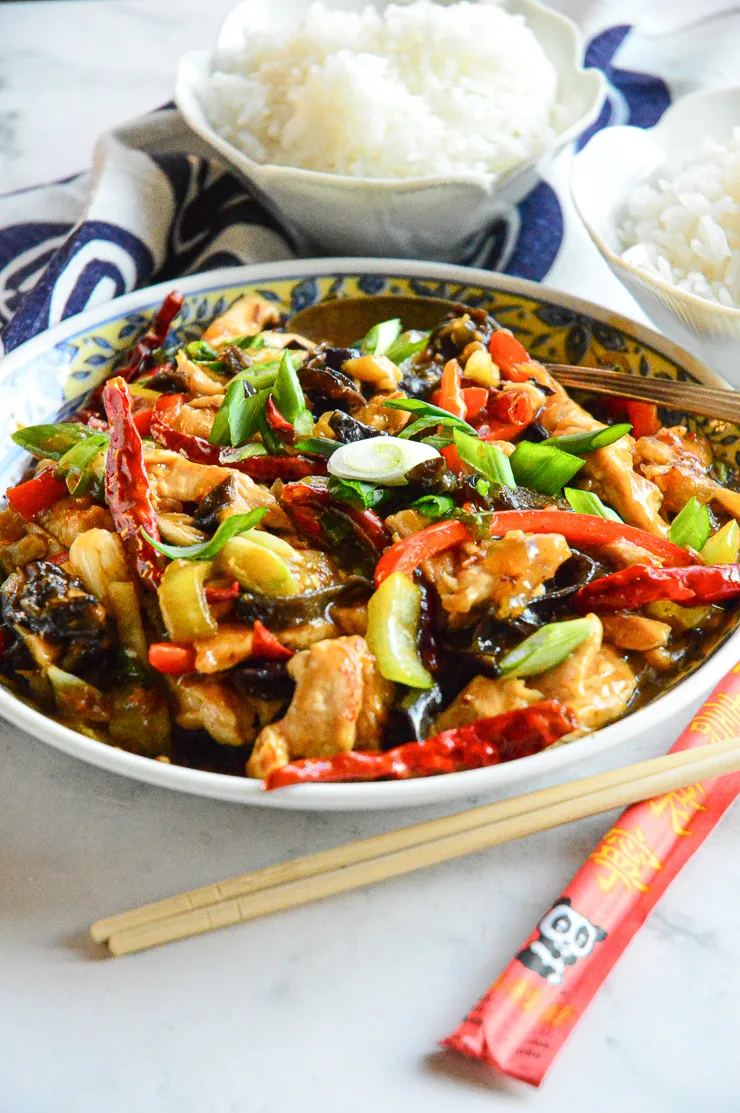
{"points": [[261, 556]]}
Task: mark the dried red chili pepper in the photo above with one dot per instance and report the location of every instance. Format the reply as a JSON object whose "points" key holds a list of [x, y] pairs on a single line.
{"points": [[506, 737], [264, 469], [278, 423], [267, 646], [640, 584], [154, 337], [505, 415], [127, 487], [219, 594], [370, 527]]}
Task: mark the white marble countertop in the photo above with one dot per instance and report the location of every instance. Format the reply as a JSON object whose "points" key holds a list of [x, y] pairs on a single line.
{"points": [[337, 1007]]}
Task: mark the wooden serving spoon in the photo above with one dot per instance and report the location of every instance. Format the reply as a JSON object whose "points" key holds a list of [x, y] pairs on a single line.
{"points": [[342, 321]]}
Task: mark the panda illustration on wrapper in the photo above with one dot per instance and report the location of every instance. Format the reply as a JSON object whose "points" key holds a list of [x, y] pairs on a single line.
{"points": [[565, 936]]}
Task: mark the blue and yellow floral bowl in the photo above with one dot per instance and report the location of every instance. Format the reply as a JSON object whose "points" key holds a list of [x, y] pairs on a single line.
{"points": [[50, 376]]}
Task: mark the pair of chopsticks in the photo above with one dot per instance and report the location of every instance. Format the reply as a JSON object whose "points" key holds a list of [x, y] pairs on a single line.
{"points": [[310, 878]]}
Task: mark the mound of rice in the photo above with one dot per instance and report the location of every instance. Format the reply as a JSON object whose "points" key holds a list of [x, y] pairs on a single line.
{"points": [[418, 89], [686, 230]]}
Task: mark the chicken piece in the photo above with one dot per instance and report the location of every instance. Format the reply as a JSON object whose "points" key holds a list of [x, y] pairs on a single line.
{"points": [[340, 701], [351, 618], [623, 554], [378, 416], [175, 480], [610, 469], [21, 542], [635, 632], [678, 462], [484, 698], [594, 681], [279, 340], [505, 573], [233, 643], [378, 370], [406, 522], [70, 517], [196, 421], [178, 529], [245, 317], [229, 716], [197, 379]]}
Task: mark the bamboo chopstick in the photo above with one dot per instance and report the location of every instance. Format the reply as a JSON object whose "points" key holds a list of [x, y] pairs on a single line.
{"points": [[361, 863]]}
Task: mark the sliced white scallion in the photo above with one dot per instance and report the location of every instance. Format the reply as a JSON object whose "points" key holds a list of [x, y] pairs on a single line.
{"points": [[383, 460], [546, 648]]}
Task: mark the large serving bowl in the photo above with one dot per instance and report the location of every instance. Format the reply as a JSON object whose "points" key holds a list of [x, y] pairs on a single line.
{"points": [[611, 165], [438, 216], [50, 375]]}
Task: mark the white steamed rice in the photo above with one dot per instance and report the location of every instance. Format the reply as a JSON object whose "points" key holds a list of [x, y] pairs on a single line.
{"points": [[686, 229], [418, 89]]}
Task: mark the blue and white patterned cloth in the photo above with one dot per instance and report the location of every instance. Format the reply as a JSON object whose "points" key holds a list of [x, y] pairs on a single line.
{"points": [[156, 206]]}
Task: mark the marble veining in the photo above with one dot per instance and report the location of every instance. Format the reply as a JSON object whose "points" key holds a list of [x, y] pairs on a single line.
{"points": [[336, 1008]]}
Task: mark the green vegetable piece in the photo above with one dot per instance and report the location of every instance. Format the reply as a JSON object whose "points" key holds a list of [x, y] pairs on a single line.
{"points": [[434, 507], [546, 647], [724, 546], [581, 443], [438, 442], [258, 568], [243, 452], [488, 460], [270, 439], [448, 422], [287, 392], [393, 623], [75, 467], [50, 442], [381, 336], [245, 342], [407, 345], [542, 467], [427, 410], [207, 550], [691, 526], [182, 601], [361, 496], [317, 446], [586, 502], [200, 351]]}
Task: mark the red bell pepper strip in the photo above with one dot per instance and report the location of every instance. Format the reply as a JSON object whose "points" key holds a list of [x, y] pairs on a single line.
{"points": [[30, 498], [450, 391], [143, 421], [452, 459], [475, 398], [406, 555], [506, 737], [507, 352], [587, 530], [643, 417], [633, 587], [127, 489], [216, 594], [267, 646], [172, 659], [277, 422]]}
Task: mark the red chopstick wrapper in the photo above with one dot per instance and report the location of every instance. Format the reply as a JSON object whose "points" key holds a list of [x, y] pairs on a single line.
{"points": [[523, 1020]]}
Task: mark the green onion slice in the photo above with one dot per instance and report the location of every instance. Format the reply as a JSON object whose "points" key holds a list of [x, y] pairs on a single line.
{"points": [[586, 502], [691, 527], [407, 345], [379, 460], [288, 393], [206, 550], [488, 460], [381, 336], [542, 467], [74, 466], [317, 446], [418, 426], [233, 455], [427, 410], [581, 443], [50, 442], [546, 647]]}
